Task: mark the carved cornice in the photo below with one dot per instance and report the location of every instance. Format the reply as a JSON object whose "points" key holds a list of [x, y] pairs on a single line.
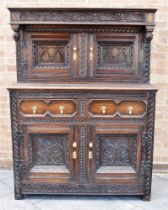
{"points": [[82, 16]]}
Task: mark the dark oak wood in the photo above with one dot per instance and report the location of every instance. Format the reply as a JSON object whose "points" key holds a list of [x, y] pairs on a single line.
{"points": [[65, 45], [124, 108], [43, 107], [121, 146], [82, 116]]}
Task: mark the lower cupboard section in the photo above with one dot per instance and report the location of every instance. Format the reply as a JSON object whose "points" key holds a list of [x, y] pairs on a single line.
{"points": [[82, 143]]}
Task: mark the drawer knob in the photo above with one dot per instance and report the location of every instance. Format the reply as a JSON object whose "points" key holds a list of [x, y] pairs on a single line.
{"points": [[34, 109], [74, 145], [74, 53], [61, 108], [91, 53], [103, 109], [130, 109], [90, 145]]}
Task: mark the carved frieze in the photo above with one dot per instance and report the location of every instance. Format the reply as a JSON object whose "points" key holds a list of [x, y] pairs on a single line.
{"points": [[88, 188], [82, 16]]}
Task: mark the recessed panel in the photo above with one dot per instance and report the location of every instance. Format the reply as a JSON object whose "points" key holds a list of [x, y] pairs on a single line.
{"points": [[116, 150], [49, 149], [50, 54], [117, 57], [49, 157], [113, 55]]}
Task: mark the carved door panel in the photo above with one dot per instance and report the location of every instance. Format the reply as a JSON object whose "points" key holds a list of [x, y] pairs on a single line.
{"points": [[114, 56], [50, 56], [48, 153], [116, 154]]}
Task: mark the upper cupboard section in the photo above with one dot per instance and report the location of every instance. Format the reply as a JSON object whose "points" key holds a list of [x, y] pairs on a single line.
{"points": [[96, 45], [54, 57]]}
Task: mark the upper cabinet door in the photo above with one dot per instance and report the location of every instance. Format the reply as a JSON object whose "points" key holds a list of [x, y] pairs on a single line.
{"points": [[114, 57], [48, 57], [80, 57]]}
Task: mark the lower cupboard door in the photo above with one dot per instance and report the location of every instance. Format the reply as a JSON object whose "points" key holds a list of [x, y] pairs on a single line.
{"points": [[48, 153], [114, 154]]}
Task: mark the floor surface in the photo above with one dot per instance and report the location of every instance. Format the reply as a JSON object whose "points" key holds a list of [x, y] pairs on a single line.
{"points": [[159, 200]]}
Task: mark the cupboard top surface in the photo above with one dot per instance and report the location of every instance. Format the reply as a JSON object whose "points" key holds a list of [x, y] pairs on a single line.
{"points": [[71, 86]]}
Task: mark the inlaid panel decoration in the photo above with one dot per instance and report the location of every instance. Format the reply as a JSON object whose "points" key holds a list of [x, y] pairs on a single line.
{"points": [[47, 107], [114, 54], [123, 108], [116, 150], [50, 54], [48, 149]]}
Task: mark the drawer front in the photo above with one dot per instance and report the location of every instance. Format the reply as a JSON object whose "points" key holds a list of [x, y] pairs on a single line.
{"points": [[42, 107], [124, 108]]}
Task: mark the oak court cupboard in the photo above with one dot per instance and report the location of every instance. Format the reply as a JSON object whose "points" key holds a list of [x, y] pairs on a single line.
{"points": [[82, 111]]}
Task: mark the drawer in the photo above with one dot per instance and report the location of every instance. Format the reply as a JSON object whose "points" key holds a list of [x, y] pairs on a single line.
{"points": [[42, 107], [124, 108]]}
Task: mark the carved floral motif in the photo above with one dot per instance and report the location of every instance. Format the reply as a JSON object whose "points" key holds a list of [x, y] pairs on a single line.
{"points": [[114, 54], [49, 152], [116, 153], [82, 16], [50, 54]]}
